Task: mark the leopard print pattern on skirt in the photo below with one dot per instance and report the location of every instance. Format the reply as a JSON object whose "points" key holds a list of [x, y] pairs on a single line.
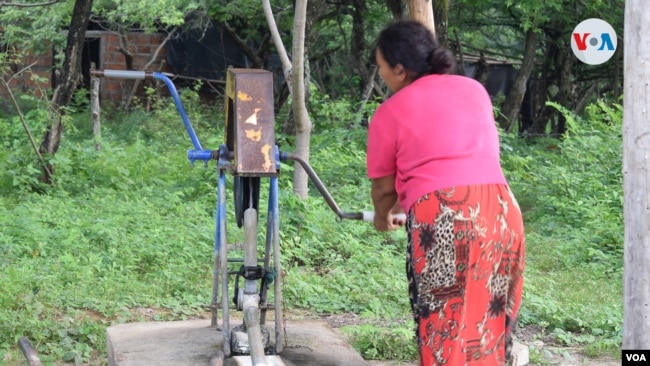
{"points": [[465, 263]]}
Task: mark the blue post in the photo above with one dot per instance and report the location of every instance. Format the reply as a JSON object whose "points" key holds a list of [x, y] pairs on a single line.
{"points": [[274, 209]]}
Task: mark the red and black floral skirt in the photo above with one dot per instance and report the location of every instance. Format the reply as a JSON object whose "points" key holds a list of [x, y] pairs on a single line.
{"points": [[465, 269]]}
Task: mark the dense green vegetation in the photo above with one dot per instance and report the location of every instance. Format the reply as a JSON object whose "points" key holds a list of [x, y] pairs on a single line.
{"points": [[130, 227]]}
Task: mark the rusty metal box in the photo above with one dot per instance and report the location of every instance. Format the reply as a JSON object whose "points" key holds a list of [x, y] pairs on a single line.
{"points": [[250, 125]]}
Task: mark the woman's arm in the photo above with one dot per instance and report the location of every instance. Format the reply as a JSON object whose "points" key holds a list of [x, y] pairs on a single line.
{"points": [[384, 199]]}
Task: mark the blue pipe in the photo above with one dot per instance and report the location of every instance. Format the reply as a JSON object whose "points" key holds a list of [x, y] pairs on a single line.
{"points": [[204, 155], [179, 108], [220, 212]]}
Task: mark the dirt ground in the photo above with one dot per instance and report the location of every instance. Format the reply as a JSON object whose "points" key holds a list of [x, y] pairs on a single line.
{"points": [[546, 352], [550, 353], [543, 351]]}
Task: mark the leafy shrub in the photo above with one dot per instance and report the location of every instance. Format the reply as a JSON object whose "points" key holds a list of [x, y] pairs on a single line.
{"points": [[396, 342], [571, 192], [131, 226]]}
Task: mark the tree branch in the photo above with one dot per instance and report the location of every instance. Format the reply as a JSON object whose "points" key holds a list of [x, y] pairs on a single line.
{"points": [[27, 5], [257, 62], [279, 46], [136, 84], [26, 127]]}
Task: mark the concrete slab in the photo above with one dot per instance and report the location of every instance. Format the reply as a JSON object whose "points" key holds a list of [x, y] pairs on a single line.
{"points": [[195, 342], [520, 354], [247, 361]]}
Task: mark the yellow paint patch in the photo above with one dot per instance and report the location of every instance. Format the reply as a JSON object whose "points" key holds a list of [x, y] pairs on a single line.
{"points": [[266, 149], [244, 97], [254, 135]]}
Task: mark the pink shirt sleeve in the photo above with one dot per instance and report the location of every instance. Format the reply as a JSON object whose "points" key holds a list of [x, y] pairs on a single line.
{"points": [[382, 145]]}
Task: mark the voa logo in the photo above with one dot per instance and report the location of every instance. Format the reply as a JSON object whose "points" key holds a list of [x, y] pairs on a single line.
{"points": [[635, 357], [593, 41]]}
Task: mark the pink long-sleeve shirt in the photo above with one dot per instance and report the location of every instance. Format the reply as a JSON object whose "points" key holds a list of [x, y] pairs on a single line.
{"points": [[437, 132]]}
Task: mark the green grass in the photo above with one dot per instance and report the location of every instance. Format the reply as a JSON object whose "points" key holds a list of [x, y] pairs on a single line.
{"points": [[131, 227]]}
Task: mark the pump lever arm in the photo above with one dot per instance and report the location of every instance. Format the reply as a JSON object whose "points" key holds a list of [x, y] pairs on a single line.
{"points": [[364, 215]]}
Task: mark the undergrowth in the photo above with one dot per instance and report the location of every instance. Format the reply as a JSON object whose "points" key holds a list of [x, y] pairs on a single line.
{"points": [[131, 226]]}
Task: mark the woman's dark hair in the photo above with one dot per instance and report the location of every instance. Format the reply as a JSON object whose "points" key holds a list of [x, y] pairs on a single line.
{"points": [[411, 44]]}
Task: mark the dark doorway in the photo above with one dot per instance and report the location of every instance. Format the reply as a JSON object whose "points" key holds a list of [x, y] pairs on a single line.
{"points": [[90, 55]]}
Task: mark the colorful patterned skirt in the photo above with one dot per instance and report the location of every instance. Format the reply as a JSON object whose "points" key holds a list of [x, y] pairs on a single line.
{"points": [[465, 267]]}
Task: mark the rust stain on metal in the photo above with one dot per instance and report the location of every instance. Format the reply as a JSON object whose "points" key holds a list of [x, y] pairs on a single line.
{"points": [[268, 165], [254, 135], [250, 123]]}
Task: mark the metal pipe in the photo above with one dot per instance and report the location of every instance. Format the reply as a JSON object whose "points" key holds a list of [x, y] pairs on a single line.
{"points": [[397, 218], [267, 255], [216, 269], [133, 74], [203, 155], [120, 74], [250, 240], [222, 247], [217, 359], [254, 331], [251, 298], [179, 108], [321, 188], [29, 352], [125, 74], [275, 210]]}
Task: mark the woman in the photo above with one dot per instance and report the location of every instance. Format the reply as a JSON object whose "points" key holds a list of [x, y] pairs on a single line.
{"points": [[433, 151]]}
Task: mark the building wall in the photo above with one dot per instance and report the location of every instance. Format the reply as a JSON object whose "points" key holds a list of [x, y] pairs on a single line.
{"points": [[141, 46], [32, 74]]}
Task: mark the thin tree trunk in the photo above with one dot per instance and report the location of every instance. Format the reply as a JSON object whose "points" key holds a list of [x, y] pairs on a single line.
{"points": [[422, 11], [96, 111], [66, 83], [128, 100], [358, 42], [563, 97], [550, 74], [396, 8], [511, 106], [636, 176], [279, 46], [21, 116], [367, 92], [303, 123], [254, 58], [441, 19], [565, 94]]}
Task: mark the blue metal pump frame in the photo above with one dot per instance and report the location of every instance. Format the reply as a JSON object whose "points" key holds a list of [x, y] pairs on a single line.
{"points": [[223, 158]]}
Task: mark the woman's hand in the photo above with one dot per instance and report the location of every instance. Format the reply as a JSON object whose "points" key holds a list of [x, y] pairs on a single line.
{"points": [[384, 199], [393, 221]]}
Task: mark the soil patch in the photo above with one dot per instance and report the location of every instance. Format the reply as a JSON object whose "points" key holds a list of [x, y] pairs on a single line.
{"points": [[542, 348]]}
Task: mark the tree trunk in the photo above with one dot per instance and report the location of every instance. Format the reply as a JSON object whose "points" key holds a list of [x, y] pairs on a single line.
{"points": [[95, 110], [511, 106], [299, 106], [128, 98], [441, 20], [279, 46], [565, 95], [358, 42], [66, 83], [422, 11], [564, 63], [396, 8], [545, 80], [636, 176]]}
